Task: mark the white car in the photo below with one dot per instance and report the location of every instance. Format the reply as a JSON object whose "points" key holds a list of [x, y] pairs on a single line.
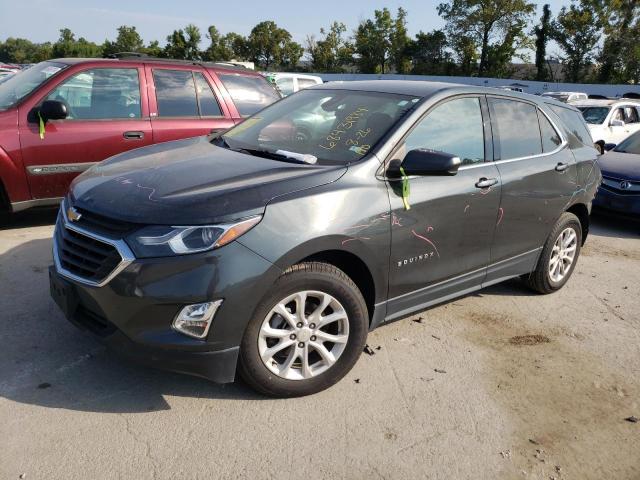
{"points": [[610, 121], [289, 83], [567, 97]]}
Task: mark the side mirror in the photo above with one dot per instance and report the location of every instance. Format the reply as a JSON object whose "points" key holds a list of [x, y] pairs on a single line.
{"points": [[53, 110], [617, 123], [423, 161]]}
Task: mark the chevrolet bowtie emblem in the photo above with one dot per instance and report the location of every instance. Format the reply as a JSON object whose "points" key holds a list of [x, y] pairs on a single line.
{"points": [[73, 215]]}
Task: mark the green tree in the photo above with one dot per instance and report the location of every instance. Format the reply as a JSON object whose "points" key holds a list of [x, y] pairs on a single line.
{"points": [[184, 44], [153, 49], [332, 52], [429, 54], [68, 46], [128, 40], [17, 50], [400, 43], [373, 42], [496, 28], [618, 58], [541, 33], [271, 46], [576, 30]]}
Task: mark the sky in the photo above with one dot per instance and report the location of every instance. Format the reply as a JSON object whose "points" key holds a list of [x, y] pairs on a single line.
{"points": [[40, 20]]}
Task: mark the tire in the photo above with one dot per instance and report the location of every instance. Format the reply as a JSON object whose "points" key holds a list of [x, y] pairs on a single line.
{"points": [[546, 280], [284, 371]]}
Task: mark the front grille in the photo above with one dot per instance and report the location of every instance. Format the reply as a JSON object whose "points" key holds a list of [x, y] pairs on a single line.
{"points": [[102, 225], [614, 185], [86, 257]]}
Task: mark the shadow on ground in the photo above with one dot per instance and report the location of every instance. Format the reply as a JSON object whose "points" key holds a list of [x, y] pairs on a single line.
{"points": [[30, 218], [46, 361]]}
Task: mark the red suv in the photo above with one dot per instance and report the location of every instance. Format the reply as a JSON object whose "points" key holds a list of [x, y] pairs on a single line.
{"points": [[59, 117]]}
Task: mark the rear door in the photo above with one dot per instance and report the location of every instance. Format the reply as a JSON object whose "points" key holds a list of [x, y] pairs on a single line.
{"points": [[538, 175], [185, 103], [107, 115]]}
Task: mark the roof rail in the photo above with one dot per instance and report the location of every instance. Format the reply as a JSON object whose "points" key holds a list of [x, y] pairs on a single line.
{"points": [[220, 64]]}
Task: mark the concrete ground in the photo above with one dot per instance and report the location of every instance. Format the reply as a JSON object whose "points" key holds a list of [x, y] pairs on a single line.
{"points": [[501, 384]]}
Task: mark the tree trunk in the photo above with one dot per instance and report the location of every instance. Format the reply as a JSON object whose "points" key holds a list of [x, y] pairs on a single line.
{"points": [[484, 53]]}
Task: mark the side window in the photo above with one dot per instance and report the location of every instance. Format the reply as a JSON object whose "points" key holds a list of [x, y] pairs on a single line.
{"points": [[250, 93], [574, 123], [100, 93], [285, 85], [618, 114], [206, 99], [631, 115], [453, 127], [550, 138], [515, 126], [175, 93]]}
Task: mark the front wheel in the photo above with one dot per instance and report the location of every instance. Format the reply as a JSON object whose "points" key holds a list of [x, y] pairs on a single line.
{"points": [[306, 334], [559, 256]]}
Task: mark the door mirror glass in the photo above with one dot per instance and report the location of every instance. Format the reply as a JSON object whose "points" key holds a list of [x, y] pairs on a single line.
{"points": [[53, 110], [617, 123], [422, 161]]}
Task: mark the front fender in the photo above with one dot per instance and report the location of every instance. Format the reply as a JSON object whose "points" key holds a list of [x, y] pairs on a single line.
{"points": [[13, 178], [343, 216]]}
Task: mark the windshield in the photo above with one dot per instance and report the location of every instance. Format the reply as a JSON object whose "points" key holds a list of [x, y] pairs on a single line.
{"points": [[594, 115], [630, 145], [330, 126], [18, 86]]}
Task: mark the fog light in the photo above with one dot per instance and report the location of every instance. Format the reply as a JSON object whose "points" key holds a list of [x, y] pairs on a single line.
{"points": [[195, 320]]}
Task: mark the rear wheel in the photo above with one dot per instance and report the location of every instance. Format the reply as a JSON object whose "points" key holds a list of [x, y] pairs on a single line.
{"points": [[306, 334], [559, 256]]}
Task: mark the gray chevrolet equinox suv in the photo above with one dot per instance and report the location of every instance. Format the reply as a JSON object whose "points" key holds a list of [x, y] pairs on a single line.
{"points": [[273, 249]]}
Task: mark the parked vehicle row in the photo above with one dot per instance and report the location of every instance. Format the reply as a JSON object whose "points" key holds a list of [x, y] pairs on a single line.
{"points": [[60, 117], [274, 249], [610, 121]]}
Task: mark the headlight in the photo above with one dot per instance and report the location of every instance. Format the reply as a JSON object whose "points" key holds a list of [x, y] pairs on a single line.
{"points": [[163, 241]]}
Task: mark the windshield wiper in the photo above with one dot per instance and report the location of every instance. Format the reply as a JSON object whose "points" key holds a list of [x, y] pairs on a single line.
{"points": [[282, 155]]}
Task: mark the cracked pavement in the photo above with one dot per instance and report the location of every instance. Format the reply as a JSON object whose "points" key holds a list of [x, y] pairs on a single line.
{"points": [[551, 406]]}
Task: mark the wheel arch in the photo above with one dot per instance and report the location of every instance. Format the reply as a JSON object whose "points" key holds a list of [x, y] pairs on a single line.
{"points": [[355, 268], [581, 211]]}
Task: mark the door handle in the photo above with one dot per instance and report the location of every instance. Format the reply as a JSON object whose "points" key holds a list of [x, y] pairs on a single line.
{"points": [[561, 167], [486, 182], [133, 135]]}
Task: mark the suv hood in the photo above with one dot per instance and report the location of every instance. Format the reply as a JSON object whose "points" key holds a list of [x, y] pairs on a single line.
{"points": [[191, 182], [623, 166]]}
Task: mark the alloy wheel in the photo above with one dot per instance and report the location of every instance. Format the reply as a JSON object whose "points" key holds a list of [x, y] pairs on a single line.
{"points": [[303, 335], [563, 254]]}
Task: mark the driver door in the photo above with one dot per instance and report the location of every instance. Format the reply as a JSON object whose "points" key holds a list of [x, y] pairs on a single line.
{"points": [[441, 245], [107, 115]]}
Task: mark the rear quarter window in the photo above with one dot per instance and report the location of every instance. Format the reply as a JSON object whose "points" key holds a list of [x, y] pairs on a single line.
{"points": [[250, 94], [574, 123]]}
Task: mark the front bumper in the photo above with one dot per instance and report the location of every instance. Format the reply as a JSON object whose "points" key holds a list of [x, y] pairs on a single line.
{"points": [[133, 312], [621, 203]]}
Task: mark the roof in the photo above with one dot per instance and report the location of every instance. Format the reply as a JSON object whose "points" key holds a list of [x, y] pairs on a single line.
{"points": [[147, 59], [604, 103], [417, 88], [562, 93], [421, 88]]}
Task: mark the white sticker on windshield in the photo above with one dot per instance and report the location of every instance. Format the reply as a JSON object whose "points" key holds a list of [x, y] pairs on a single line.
{"points": [[402, 103], [50, 70]]}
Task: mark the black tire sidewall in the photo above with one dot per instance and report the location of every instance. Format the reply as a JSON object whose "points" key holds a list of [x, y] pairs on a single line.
{"points": [[323, 278]]}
